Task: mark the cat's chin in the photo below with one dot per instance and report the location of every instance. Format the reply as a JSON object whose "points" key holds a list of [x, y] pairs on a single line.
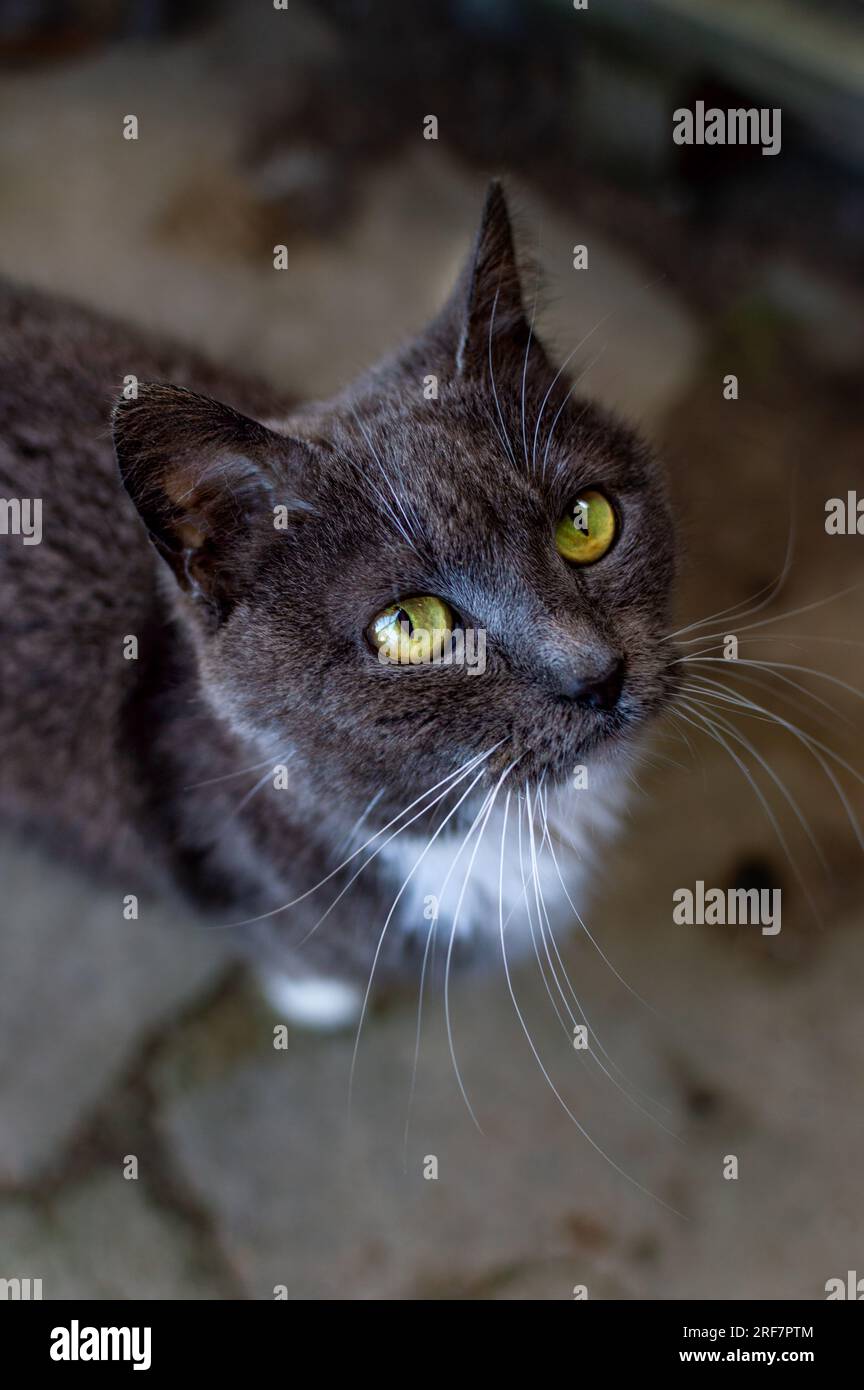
{"points": [[598, 754]]}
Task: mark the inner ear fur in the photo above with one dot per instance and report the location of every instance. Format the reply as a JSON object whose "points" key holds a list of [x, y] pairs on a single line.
{"points": [[201, 476]]}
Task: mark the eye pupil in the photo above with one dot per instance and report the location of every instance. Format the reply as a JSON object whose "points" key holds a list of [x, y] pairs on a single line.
{"points": [[412, 631], [587, 529]]}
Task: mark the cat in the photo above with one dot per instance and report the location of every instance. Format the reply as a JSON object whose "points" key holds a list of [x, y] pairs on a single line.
{"points": [[196, 695]]}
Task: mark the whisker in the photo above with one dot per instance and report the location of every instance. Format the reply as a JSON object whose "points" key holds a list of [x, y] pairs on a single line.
{"points": [[447, 1015], [813, 745], [426, 952], [597, 947], [417, 862], [682, 735], [710, 727], [594, 360], [244, 801], [526, 884], [452, 777], [525, 362], [779, 666], [361, 819], [791, 637], [372, 856], [534, 881], [504, 438], [396, 498], [761, 684], [538, 1059], [567, 360], [541, 906], [765, 622], [430, 938], [778, 782], [594, 1035], [227, 776], [649, 284], [772, 590]]}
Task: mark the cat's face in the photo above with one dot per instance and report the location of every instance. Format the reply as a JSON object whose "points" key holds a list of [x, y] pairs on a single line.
{"points": [[311, 564]]}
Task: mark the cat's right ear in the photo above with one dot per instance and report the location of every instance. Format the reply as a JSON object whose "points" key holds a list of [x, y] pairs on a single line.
{"points": [[204, 479], [486, 309]]}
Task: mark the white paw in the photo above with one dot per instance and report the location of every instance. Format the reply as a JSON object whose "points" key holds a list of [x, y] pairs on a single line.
{"points": [[314, 1002]]}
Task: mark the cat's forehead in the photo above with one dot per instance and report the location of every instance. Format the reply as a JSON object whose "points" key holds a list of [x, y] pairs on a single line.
{"points": [[464, 490], [461, 504], [499, 459]]}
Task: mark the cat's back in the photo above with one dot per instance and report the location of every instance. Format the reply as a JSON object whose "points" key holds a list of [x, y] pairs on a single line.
{"points": [[62, 367], [65, 528], [77, 574]]}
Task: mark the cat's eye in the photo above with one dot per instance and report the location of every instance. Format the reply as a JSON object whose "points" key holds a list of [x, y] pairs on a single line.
{"points": [[413, 631], [587, 529]]}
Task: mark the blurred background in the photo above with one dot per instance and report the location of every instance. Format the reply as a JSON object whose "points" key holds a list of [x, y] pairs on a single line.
{"points": [[303, 126]]}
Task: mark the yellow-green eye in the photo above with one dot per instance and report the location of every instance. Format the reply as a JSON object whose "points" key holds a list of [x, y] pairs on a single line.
{"points": [[587, 529], [413, 631]]}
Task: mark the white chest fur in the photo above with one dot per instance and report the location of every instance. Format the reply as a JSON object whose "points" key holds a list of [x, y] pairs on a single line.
{"points": [[528, 866]]}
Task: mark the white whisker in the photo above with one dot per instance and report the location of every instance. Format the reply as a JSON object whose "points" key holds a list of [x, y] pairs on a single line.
{"points": [[455, 923], [453, 778], [772, 589], [538, 1059], [709, 726], [417, 862]]}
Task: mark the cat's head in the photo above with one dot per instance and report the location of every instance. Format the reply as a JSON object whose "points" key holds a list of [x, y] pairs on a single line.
{"points": [[462, 472]]}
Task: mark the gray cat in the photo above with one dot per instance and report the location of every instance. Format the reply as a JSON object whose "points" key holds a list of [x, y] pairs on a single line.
{"points": [[247, 667]]}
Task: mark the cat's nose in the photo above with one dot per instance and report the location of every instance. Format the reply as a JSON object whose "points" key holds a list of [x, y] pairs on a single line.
{"points": [[600, 691]]}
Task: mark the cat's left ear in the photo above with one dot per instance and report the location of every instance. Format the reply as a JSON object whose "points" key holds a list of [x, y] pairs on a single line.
{"points": [[205, 481], [492, 329]]}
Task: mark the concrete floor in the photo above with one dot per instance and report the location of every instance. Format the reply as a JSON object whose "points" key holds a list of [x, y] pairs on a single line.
{"points": [[124, 1040]]}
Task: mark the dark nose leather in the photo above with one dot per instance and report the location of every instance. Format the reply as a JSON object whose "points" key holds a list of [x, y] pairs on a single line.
{"points": [[599, 692]]}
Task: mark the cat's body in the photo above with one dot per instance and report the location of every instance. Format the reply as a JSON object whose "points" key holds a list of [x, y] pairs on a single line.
{"points": [[102, 756], [166, 768], [69, 698]]}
